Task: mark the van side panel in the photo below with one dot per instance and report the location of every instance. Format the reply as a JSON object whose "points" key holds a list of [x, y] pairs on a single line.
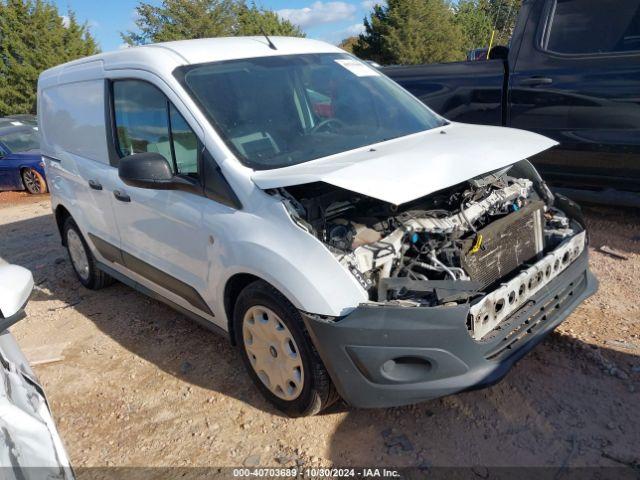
{"points": [[73, 120], [74, 145]]}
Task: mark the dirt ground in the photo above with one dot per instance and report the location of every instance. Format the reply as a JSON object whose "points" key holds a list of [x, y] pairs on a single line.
{"points": [[141, 385]]}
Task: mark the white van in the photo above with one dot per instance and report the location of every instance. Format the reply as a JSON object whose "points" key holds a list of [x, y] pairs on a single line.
{"points": [[348, 239]]}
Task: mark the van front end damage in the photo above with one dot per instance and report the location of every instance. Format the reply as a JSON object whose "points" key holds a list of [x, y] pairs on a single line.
{"points": [[461, 282], [391, 355]]}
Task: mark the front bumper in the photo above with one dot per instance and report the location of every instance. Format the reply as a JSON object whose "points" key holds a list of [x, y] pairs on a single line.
{"points": [[383, 356]]}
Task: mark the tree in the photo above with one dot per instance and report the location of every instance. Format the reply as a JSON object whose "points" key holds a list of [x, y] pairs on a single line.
{"points": [[476, 23], [503, 14], [348, 43], [34, 37], [252, 20], [480, 18], [411, 32], [185, 19]]}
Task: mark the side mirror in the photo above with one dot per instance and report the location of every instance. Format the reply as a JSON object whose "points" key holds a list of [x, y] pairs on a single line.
{"points": [[146, 170], [499, 52], [16, 285], [151, 170]]}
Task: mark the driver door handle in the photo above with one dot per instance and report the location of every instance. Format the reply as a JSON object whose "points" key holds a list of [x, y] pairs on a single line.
{"points": [[94, 184], [122, 196], [533, 81]]}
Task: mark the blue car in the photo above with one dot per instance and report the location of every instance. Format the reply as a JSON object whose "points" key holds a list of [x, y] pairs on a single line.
{"points": [[21, 166]]}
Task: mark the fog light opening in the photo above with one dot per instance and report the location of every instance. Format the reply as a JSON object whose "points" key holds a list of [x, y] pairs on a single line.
{"points": [[407, 369]]}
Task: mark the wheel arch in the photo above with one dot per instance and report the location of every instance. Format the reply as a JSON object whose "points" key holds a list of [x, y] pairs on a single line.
{"points": [[21, 170], [61, 214], [234, 285]]}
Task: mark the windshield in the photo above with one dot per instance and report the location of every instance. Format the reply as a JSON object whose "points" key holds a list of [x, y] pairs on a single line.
{"points": [[284, 110], [21, 141]]}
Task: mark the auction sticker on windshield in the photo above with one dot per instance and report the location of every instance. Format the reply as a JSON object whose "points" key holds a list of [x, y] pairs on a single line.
{"points": [[357, 68]]}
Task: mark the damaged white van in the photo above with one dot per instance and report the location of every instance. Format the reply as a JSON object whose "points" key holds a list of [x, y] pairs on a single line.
{"points": [[349, 241]]}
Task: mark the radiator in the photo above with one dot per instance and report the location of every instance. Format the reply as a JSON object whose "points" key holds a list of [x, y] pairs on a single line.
{"points": [[507, 243]]}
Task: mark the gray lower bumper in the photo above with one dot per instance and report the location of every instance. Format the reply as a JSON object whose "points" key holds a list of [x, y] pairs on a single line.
{"points": [[382, 356]]}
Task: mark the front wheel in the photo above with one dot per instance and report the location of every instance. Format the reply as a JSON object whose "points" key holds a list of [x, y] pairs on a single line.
{"points": [[82, 260], [278, 353], [33, 182]]}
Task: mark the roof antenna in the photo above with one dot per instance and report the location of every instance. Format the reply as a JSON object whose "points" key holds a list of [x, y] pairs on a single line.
{"points": [[271, 45]]}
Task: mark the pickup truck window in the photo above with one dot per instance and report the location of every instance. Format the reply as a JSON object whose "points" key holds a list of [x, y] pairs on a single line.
{"points": [[285, 110], [582, 27], [147, 122]]}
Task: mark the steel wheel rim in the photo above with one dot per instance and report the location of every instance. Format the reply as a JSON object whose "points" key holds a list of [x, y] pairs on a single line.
{"points": [[78, 254], [31, 181], [273, 352]]}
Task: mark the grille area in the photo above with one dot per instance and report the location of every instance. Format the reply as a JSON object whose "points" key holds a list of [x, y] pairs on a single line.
{"points": [[507, 243], [530, 319]]}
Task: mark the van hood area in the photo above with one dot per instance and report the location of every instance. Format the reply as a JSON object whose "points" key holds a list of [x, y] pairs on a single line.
{"points": [[407, 168]]}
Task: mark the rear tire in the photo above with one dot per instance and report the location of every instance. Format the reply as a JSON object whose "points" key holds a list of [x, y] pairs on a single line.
{"points": [[33, 182], [82, 260], [278, 353]]}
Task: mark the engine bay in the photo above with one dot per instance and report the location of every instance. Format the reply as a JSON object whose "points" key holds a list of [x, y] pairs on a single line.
{"points": [[454, 246]]}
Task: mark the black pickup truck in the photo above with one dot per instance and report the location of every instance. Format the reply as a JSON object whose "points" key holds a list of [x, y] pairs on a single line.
{"points": [[571, 73]]}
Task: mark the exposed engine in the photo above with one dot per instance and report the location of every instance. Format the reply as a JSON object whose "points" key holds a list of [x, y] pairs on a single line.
{"points": [[453, 246]]}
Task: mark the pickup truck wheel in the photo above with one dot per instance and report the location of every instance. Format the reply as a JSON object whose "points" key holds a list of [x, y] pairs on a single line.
{"points": [[82, 260], [278, 352]]}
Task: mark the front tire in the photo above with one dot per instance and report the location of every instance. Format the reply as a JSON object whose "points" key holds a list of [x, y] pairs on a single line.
{"points": [[82, 260], [33, 182], [278, 353]]}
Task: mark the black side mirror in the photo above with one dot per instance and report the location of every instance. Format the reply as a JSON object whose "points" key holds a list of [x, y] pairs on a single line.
{"points": [[499, 52], [151, 170]]}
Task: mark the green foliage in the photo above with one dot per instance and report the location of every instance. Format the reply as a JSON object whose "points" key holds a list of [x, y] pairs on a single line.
{"points": [[348, 43], [475, 22], [34, 37], [185, 19], [427, 31], [503, 13], [410, 32], [252, 20]]}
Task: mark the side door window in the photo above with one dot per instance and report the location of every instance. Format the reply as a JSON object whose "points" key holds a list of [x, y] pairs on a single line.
{"points": [[146, 121], [578, 27]]}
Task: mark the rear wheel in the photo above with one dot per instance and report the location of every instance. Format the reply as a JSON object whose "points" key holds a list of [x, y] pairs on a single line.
{"points": [[33, 182], [278, 352], [82, 260]]}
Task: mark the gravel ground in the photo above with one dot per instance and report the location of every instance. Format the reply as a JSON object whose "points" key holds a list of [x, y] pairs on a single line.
{"points": [[141, 385]]}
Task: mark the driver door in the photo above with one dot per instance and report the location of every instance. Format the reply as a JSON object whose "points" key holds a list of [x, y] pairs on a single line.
{"points": [[163, 240]]}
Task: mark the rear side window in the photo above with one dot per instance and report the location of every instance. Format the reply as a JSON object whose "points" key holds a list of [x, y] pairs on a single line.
{"points": [[72, 118], [590, 27], [146, 121]]}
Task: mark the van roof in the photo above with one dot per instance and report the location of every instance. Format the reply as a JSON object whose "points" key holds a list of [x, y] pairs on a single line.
{"points": [[169, 55]]}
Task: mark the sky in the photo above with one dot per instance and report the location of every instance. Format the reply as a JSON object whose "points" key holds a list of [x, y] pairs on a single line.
{"points": [[330, 21]]}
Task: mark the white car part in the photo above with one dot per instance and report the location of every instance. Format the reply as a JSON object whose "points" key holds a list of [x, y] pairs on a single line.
{"points": [[16, 284], [404, 169], [32, 448], [489, 312]]}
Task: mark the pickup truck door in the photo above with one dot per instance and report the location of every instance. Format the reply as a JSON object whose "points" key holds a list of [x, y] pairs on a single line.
{"points": [[576, 79], [469, 92], [165, 245]]}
